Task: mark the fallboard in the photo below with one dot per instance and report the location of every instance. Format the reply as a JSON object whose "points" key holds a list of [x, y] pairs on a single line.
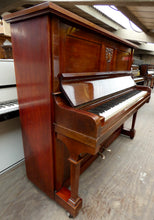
{"points": [[81, 88]]}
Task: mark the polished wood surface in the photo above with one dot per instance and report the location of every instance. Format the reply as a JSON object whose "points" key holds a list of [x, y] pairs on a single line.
{"points": [[144, 69], [147, 71], [31, 57], [49, 7], [80, 91], [94, 136], [54, 49]]}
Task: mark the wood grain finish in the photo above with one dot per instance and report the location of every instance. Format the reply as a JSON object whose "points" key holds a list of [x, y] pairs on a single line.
{"points": [[50, 43], [31, 48], [80, 92], [49, 7], [85, 51]]}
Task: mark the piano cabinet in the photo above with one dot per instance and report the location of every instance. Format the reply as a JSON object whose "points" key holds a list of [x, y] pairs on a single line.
{"points": [[147, 71], [62, 138]]}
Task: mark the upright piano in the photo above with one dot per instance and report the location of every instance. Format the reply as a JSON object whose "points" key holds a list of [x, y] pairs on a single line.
{"points": [[151, 69], [75, 92], [147, 71]]}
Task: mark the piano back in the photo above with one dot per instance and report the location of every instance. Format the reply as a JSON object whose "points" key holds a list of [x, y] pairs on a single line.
{"points": [[82, 88]]}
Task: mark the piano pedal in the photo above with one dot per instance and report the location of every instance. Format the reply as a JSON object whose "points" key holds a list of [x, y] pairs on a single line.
{"points": [[101, 155]]}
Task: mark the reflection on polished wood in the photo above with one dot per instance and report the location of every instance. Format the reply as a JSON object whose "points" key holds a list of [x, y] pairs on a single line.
{"points": [[82, 91], [67, 66]]}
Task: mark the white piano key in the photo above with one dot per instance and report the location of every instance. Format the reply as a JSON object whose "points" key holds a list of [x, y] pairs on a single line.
{"points": [[10, 108], [125, 104]]}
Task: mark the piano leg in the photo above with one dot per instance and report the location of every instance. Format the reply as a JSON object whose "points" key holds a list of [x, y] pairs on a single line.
{"points": [[75, 173], [130, 132], [66, 198], [151, 85]]}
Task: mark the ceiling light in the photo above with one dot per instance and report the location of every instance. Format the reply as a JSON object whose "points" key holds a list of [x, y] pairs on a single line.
{"points": [[113, 13]]}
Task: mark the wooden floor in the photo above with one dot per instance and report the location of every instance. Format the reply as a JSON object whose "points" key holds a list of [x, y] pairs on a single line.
{"points": [[121, 187]]}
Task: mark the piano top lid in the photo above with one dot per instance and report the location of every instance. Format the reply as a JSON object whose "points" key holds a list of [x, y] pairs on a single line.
{"points": [[82, 88], [49, 7]]}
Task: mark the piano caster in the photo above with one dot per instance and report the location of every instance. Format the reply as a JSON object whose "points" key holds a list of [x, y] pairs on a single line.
{"points": [[101, 155], [69, 215]]}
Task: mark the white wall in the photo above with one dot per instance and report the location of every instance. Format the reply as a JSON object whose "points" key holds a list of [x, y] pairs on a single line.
{"points": [[11, 147]]}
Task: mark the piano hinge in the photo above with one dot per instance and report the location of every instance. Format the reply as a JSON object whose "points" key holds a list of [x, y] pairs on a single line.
{"points": [[56, 93]]}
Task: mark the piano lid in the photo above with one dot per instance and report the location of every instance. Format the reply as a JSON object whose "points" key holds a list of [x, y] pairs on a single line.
{"points": [[49, 7], [86, 87]]}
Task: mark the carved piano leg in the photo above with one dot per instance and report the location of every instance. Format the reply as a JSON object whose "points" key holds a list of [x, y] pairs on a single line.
{"points": [[66, 198], [131, 132]]}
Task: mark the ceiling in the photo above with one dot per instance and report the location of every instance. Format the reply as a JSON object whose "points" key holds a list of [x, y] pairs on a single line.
{"points": [[145, 15], [140, 12]]}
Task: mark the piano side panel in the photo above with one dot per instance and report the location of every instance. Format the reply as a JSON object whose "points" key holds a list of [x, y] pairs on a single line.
{"points": [[56, 51], [31, 51]]}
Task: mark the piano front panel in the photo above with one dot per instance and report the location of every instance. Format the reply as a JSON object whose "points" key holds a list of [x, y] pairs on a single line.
{"points": [[124, 58], [81, 55], [77, 49], [108, 55], [81, 49]]}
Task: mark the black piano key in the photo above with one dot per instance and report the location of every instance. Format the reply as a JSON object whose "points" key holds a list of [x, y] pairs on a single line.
{"points": [[106, 106]]}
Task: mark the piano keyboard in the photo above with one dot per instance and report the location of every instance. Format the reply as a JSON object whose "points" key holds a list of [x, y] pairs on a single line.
{"points": [[8, 107], [109, 109]]}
